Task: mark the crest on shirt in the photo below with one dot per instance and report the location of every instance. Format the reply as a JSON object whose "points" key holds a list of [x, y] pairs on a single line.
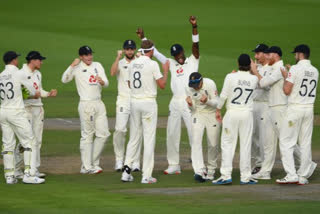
{"points": [[195, 94], [38, 77], [84, 70], [29, 77], [125, 67], [95, 70]]}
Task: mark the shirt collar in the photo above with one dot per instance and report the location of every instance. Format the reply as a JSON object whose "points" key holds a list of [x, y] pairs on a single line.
{"points": [[280, 62], [11, 67], [304, 62], [27, 68]]}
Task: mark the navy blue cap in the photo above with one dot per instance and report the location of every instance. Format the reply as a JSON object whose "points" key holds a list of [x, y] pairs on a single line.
{"points": [[85, 50], [9, 56], [34, 55], [129, 44], [176, 49], [302, 49], [244, 60], [274, 49], [260, 48], [195, 79]]}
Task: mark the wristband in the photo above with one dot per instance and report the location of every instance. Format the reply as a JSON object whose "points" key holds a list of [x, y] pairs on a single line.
{"points": [[194, 26], [195, 38]]}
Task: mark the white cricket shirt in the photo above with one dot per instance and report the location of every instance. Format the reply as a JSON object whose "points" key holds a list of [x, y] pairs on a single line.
{"points": [[262, 94], [143, 75], [11, 80], [88, 88], [122, 77], [180, 74], [238, 89], [304, 78]]}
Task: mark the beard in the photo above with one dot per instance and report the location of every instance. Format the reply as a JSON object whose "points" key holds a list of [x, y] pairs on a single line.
{"points": [[130, 57]]}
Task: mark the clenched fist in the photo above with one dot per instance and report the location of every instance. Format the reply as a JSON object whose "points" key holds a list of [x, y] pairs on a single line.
{"points": [[193, 20], [75, 62]]}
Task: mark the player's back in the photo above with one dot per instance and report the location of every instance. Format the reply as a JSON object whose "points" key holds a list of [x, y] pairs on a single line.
{"points": [[10, 88], [304, 77], [143, 75], [239, 89]]}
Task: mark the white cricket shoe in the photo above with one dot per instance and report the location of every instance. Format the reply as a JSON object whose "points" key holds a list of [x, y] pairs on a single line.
{"points": [[287, 180], [261, 176], [136, 167], [96, 170], [84, 170], [118, 166], [210, 175], [303, 181], [172, 170], [313, 167], [11, 180], [149, 180], [126, 177], [40, 174], [28, 179], [18, 174]]}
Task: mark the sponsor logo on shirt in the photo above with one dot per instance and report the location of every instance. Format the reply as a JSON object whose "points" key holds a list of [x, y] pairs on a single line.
{"points": [[35, 85], [92, 79]]}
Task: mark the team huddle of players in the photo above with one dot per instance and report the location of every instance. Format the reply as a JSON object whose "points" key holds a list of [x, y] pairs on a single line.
{"points": [[265, 104]]}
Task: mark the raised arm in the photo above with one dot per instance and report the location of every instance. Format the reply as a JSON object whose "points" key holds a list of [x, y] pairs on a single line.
{"points": [[114, 68], [159, 56], [68, 74], [195, 37]]}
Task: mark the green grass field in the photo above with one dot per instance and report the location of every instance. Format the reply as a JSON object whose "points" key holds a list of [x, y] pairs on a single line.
{"points": [[105, 193], [227, 28]]}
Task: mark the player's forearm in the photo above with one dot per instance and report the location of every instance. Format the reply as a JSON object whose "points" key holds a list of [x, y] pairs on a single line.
{"points": [[195, 40], [43, 93], [266, 82], [67, 75], [159, 56], [221, 102], [114, 67]]}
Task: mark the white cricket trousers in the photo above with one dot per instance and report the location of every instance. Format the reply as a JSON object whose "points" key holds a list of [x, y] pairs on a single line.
{"points": [[35, 116], [298, 126], [278, 115], [119, 136], [236, 123], [200, 123], [178, 108], [144, 115], [93, 119], [14, 122]]}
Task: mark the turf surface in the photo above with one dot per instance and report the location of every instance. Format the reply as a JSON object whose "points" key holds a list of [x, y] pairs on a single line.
{"points": [[227, 28]]}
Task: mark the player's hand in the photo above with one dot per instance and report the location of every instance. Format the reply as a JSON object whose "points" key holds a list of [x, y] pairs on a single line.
{"points": [[75, 62], [193, 20], [37, 95], [253, 66], [218, 116], [119, 54], [204, 98], [189, 101], [284, 72], [140, 33], [53, 93], [99, 80], [288, 66]]}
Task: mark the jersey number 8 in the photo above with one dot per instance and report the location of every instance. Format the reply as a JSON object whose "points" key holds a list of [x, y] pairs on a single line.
{"points": [[136, 79]]}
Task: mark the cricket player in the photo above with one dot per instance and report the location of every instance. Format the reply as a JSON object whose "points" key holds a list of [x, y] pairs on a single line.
{"points": [[277, 104], [180, 68], [34, 108], [300, 86], [237, 90], [144, 76], [263, 138], [120, 68], [14, 121], [202, 98], [90, 77]]}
